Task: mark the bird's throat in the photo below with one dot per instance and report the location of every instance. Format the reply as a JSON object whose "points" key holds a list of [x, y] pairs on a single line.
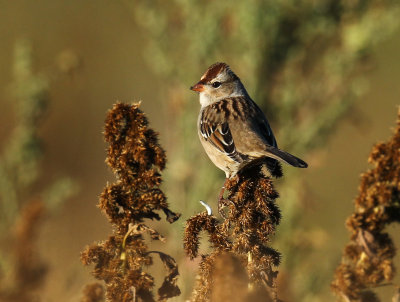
{"points": [[206, 99]]}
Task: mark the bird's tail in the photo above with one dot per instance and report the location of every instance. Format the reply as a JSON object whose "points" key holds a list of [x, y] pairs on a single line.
{"points": [[286, 157]]}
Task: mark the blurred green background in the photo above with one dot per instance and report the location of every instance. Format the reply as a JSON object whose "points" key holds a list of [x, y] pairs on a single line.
{"points": [[340, 73]]}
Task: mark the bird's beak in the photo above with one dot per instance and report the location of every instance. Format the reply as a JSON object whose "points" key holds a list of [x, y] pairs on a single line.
{"points": [[199, 87]]}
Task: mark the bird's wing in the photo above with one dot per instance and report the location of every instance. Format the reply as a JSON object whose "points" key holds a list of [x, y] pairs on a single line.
{"points": [[214, 128], [259, 122], [249, 127], [237, 127], [253, 135]]}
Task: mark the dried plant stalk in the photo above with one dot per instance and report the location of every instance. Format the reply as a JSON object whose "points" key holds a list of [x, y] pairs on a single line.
{"points": [[136, 158], [250, 222], [367, 261], [29, 271], [93, 293]]}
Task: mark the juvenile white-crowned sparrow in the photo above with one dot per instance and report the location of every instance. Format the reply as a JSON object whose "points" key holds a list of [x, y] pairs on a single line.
{"points": [[232, 128]]}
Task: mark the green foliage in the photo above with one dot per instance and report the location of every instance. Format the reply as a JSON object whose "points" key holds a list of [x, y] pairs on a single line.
{"points": [[20, 159], [21, 207]]}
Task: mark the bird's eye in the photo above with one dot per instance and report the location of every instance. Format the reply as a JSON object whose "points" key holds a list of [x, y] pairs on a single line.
{"points": [[216, 84]]}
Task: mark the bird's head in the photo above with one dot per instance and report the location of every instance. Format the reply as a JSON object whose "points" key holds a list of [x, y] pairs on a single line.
{"points": [[217, 83]]}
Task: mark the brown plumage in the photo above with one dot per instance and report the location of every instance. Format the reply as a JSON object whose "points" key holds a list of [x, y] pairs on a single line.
{"points": [[232, 128]]}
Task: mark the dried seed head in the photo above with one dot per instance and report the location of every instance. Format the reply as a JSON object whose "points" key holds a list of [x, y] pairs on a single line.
{"points": [[250, 222], [368, 258], [136, 158]]}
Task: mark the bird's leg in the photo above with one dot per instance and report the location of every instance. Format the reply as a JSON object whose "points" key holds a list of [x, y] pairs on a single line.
{"points": [[222, 202], [221, 194]]}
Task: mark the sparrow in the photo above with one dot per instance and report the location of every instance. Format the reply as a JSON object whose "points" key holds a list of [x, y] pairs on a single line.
{"points": [[232, 128]]}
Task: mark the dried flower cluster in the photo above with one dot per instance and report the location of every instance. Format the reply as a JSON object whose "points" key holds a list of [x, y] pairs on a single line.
{"points": [[368, 258], [136, 158], [250, 222]]}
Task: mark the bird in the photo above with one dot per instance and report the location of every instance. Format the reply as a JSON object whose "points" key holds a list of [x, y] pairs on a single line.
{"points": [[233, 130]]}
